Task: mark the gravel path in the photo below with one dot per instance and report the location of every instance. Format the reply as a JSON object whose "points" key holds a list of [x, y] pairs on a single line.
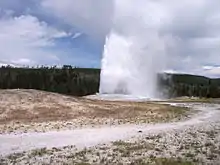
{"points": [[12, 143]]}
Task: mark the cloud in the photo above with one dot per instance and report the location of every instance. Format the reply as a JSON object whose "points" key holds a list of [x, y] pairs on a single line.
{"points": [[194, 28], [191, 26], [215, 72], [26, 40], [212, 71], [76, 35], [92, 18], [33, 29]]}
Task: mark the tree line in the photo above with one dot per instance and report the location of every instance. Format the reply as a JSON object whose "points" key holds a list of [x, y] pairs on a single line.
{"points": [[85, 81], [177, 85], [65, 80]]}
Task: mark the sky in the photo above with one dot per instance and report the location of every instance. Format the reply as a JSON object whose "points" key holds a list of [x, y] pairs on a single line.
{"points": [[55, 32]]}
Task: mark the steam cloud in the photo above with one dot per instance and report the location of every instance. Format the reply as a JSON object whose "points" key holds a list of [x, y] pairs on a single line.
{"points": [[135, 50]]}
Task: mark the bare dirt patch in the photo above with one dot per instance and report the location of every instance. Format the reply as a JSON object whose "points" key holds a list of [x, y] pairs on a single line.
{"points": [[27, 109]]}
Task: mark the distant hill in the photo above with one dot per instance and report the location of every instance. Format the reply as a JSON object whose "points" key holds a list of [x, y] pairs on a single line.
{"points": [[190, 79], [189, 85], [195, 79]]}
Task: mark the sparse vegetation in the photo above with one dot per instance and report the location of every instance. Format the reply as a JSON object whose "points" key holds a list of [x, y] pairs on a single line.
{"points": [[25, 110], [171, 161], [159, 149], [39, 152]]}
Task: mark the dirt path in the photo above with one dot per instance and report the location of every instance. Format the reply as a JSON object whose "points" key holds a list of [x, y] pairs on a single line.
{"points": [[81, 138]]}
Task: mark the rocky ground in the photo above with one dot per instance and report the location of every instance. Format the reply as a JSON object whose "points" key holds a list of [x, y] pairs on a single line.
{"points": [[194, 140], [200, 145]]}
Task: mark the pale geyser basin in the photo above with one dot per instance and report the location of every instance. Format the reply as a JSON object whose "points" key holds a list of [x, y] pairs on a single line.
{"points": [[120, 97]]}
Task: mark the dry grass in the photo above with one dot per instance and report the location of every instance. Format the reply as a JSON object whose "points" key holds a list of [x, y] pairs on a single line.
{"points": [[35, 106], [38, 106], [31, 106], [195, 100]]}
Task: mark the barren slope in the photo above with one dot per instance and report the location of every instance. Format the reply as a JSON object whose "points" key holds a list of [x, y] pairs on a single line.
{"points": [[25, 110]]}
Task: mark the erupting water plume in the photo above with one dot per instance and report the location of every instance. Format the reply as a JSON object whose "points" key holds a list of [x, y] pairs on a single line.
{"points": [[134, 51]]}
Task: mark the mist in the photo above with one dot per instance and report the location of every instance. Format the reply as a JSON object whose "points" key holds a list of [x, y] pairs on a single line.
{"points": [[135, 50]]}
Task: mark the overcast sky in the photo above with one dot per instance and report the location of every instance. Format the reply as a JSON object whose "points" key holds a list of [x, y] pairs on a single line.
{"points": [[48, 32]]}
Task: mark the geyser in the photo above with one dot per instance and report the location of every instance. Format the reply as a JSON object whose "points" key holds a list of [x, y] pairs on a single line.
{"points": [[134, 51]]}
